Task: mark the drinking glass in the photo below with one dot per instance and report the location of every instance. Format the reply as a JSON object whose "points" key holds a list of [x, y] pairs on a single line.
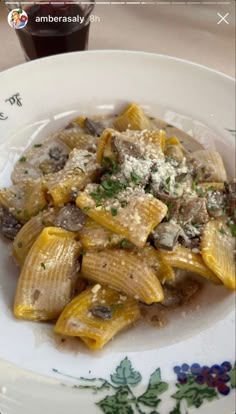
{"points": [[47, 28]]}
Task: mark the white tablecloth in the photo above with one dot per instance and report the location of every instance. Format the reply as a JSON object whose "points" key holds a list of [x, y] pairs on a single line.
{"points": [[186, 31]]}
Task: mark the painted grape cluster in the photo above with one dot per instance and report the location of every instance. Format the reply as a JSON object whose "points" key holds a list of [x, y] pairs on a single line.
{"points": [[216, 376]]}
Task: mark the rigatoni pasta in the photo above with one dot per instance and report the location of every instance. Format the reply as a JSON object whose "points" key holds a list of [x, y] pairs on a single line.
{"points": [[97, 315], [124, 271], [48, 276]]}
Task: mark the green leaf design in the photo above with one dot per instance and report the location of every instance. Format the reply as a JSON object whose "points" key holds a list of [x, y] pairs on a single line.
{"points": [[117, 404], [176, 409], [233, 376], [194, 393], [125, 374], [154, 389]]}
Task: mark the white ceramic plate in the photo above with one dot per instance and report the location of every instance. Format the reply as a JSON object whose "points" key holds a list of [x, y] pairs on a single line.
{"points": [[185, 367]]}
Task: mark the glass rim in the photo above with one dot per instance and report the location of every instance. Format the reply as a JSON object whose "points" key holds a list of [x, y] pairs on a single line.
{"points": [[19, 4]]}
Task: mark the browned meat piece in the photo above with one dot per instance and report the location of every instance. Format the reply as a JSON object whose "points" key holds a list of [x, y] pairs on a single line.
{"points": [[9, 225], [231, 198], [70, 218], [216, 203], [194, 211], [94, 128], [166, 235], [123, 147]]}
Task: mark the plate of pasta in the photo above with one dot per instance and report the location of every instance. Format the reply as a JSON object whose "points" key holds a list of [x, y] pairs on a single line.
{"points": [[117, 236]]}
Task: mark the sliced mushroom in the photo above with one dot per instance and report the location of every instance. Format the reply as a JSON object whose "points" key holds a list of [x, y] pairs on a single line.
{"points": [[56, 161], [162, 195], [192, 243], [57, 154], [102, 312], [94, 128], [9, 225], [166, 235], [70, 218]]}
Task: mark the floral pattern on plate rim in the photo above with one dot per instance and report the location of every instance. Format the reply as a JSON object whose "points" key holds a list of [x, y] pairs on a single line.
{"points": [[195, 385]]}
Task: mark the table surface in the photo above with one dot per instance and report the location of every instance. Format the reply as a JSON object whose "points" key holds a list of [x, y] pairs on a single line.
{"points": [[188, 31]]}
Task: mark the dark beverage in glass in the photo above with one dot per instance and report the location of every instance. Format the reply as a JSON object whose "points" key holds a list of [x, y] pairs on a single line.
{"points": [[55, 28]]}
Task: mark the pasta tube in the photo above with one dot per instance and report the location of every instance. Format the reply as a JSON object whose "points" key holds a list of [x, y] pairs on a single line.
{"points": [[153, 259], [133, 117], [79, 170], [124, 271], [48, 276], [93, 235], [104, 148], [134, 222], [213, 162], [29, 233], [75, 138], [97, 315], [184, 258], [24, 200], [217, 247]]}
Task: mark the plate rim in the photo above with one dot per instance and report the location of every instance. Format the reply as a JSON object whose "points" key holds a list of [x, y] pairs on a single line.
{"points": [[11, 71], [115, 52]]}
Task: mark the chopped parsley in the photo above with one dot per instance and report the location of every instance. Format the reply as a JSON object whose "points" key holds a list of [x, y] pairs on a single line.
{"points": [[233, 229], [26, 172], [107, 189], [19, 244], [87, 208], [211, 188], [199, 191], [113, 211], [43, 265], [116, 306], [22, 159], [109, 165], [135, 177], [167, 181], [170, 206], [83, 252], [123, 243], [194, 185], [37, 145]]}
